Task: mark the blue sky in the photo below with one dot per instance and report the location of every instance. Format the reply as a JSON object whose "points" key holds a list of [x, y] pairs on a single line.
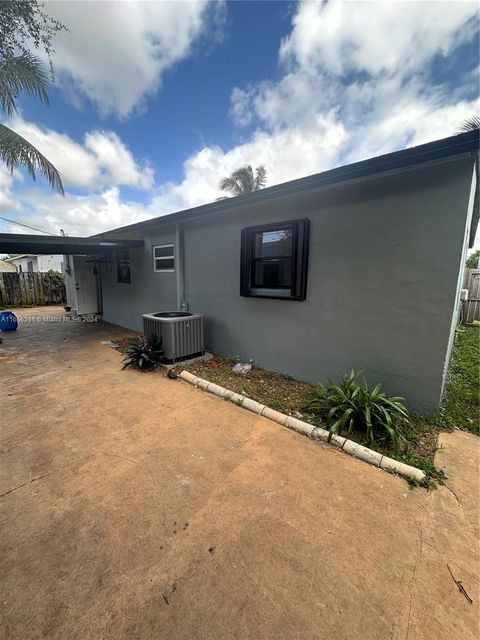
{"points": [[192, 109], [145, 118]]}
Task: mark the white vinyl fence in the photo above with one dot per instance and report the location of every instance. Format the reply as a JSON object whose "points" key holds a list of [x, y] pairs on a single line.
{"points": [[471, 307]]}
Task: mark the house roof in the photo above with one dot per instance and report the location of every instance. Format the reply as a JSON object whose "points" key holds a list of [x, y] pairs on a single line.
{"points": [[65, 245], [7, 267], [461, 144], [21, 256]]}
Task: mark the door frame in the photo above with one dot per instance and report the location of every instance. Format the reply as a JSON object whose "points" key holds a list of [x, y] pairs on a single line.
{"points": [[81, 269]]}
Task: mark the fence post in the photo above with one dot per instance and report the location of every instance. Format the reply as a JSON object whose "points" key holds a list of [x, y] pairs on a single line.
{"points": [[17, 289], [3, 293], [471, 307]]}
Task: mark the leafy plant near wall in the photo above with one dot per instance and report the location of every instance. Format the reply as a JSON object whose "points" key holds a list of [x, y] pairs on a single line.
{"points": [[351, 406], [144, 355], [473, 260], [57, 278]]}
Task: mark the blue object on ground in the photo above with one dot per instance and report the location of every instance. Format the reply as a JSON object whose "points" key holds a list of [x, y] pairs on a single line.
{"points": [[8, 321]]}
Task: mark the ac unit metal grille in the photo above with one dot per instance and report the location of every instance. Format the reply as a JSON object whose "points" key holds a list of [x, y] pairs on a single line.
{"points": [[152, 329], [181, 337]]}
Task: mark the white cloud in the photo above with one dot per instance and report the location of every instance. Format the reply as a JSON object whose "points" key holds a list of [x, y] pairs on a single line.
{"points": [[8, 202], [296, 98], [370, 64], [387, 36], [337, 101], [288, 153], [116, 53], [116, 161], [102, 160], [76, 215], [407, 121], [292, 153]]}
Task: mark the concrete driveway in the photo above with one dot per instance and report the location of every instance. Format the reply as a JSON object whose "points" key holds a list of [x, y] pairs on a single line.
{"points": [[134, 506]]}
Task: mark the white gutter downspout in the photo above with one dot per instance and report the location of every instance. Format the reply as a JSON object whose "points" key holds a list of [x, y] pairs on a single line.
{"points": [[179, 268]]}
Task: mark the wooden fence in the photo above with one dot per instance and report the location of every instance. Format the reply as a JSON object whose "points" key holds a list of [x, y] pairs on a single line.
{"points": [[17, 289], [471, 307]]}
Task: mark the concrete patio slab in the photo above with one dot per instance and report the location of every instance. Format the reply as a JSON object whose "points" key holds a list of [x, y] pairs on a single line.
{"points": [[134, 506]]}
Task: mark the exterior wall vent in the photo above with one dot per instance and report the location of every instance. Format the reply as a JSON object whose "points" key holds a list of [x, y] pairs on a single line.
{"points": [[181, 333]]}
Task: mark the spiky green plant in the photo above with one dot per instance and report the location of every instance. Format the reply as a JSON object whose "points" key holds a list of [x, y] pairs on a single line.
{"points": [[143, 354], [351, 406]]}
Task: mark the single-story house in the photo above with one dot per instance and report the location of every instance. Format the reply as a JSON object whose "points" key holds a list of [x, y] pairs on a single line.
{"points": [[357, 267], [36, 263]]}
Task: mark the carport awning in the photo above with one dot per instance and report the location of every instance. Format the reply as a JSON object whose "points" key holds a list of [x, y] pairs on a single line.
{"points": [[65, 245]]}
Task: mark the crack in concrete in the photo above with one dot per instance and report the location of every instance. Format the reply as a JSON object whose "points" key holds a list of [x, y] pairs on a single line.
{"points": [[45, 475], [417, 560], [116, 455]]}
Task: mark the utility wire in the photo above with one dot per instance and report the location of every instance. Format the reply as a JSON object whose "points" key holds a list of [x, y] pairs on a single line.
{"points": [[22, 224]]}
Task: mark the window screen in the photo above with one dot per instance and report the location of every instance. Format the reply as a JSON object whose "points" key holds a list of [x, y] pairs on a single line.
{"points": [[164, 257]]}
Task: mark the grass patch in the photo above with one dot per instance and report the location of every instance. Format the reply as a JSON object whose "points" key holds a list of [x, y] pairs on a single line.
{"points": [[461, 405], [280, 392]]}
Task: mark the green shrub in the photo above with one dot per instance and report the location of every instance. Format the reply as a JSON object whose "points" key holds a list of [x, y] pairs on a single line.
{"points": [[56, 278], [351, 406], [143, 354], [472, 260]]}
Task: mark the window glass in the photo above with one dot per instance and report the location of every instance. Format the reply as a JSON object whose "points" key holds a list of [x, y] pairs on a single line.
{"points": [[163, 252], [164, 257], [274, 260], [273, 244], [273, 274], [164, 263]]}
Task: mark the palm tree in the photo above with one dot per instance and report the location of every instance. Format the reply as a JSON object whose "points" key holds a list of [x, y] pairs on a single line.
{"points": [[470, 124], [243, 181], [24, 73]]}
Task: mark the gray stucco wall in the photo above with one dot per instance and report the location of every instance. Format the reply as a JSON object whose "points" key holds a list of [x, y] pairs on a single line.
{"points": [[124, 304], [383, 271]]}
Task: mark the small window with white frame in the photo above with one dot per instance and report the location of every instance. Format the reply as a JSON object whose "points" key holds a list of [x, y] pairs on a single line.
{"points": [[164, 257]]}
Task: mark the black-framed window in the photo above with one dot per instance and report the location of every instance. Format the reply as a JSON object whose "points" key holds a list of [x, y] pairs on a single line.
{"points": [[274, 260], [123, 267]]}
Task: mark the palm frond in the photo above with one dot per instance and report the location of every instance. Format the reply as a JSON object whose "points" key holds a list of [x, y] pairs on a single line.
{"points": [[260, 177], [21, 73], [16, 151], [470, 124], [231, 186], [243, 180], [244, 177]]}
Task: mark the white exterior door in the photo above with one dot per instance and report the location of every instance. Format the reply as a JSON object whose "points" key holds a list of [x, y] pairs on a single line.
{"points": [[85, 286]]}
